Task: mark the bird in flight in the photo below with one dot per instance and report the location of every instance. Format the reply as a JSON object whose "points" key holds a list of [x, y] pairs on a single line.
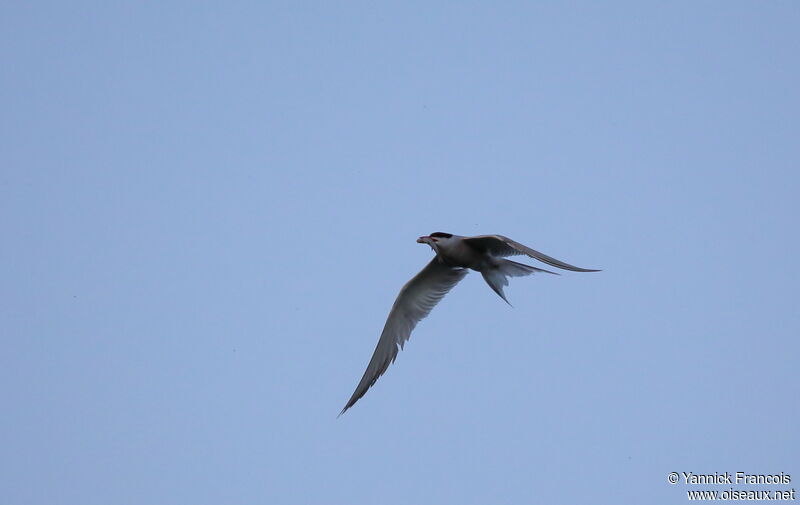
{"points": [[455, 257]]}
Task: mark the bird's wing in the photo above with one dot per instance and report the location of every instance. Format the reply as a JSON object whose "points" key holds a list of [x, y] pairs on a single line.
{"points": [[414, 303], [498, 245]]}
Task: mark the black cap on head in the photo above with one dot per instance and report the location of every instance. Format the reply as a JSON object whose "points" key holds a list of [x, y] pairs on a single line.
{"points": [[440, 234]]}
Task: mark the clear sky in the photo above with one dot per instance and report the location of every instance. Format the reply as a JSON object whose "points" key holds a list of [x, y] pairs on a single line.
{"points": [[207, 210]]}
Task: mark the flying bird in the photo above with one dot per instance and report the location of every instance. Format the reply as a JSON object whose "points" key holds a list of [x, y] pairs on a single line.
{"points": [[455, 257]]}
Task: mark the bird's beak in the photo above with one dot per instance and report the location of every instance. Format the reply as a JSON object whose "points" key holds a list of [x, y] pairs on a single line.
{"points": [[423, 240]]}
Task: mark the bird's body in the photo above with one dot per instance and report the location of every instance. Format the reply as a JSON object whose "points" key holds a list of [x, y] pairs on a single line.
{"points": [[455, 256], [455, 252]]}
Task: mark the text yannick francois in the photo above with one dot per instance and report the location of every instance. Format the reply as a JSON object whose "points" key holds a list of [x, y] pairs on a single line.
{"points": [[736, 478]]}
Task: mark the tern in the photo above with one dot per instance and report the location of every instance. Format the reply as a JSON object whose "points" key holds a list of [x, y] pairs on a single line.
{"points": [[455, 257]]}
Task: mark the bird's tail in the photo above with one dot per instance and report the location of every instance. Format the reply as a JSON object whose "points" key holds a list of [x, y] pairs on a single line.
{"points": [[496, 275]]}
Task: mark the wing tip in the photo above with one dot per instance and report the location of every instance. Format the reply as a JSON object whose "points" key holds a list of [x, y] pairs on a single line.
{"points": [[347, 407], [352, 401]]}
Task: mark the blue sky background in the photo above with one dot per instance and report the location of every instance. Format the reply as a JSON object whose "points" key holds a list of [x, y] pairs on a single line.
{"points": [[207, 212]]}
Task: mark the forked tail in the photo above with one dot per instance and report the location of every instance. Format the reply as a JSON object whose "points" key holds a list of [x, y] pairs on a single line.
{"points": [[497, 274]]}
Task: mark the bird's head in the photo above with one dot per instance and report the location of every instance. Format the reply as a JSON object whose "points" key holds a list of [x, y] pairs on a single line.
{"points": [[435, 238]]}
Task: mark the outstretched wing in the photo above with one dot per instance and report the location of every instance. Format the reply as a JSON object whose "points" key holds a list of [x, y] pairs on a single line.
{"points": [[498, 245], [414, 303]]}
